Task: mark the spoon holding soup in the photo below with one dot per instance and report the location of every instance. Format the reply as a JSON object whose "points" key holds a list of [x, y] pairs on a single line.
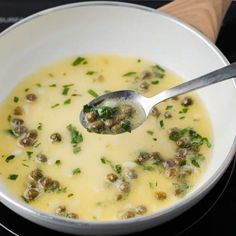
{"points": [[125, 110]]}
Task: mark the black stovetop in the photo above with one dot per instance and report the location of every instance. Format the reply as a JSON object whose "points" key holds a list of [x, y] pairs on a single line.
{"points": [[215, 214]]}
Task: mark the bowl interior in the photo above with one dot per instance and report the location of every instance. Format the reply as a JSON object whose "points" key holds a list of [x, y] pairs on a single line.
{"points": [[107, 29]]}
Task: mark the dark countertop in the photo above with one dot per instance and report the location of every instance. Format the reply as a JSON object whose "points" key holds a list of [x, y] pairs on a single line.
{"points": [[216, 218]]}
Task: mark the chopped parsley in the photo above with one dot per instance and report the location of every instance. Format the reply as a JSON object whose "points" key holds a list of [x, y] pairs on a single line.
{"points": [[150, 132], [126, 126], [129, 74], [65, 90], [76, 138], [161, 123], [158, 71], [11, 133], [15, 99], [53, 85], [78, 61], [195, 163], [9, 158], [29, 154], [13, 177], [58, 162], [118, 169], [106, 112], [184, 110], [70, 195], [67, 101], [93, 93], [40, 126], [90, 72], [55, 105], [169, 107], [155, 82], [76, 171]]}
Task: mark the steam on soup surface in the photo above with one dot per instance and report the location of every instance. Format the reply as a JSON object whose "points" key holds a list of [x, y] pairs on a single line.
{"points": [[55, 165]]}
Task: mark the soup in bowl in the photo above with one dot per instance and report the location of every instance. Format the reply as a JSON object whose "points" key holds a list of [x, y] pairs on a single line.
{"points": [[56, 173]]}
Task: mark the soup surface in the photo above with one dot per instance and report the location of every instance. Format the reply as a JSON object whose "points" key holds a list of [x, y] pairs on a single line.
{"points": [[50, 161]]}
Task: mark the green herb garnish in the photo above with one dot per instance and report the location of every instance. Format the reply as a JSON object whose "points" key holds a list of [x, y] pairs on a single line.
{"points": [[93, 93], [11, 133], [161, 123], [29, 154], [158, 71], [15, 99], [9, 158], [13, 177], [55, 105], [67, 101], [58, 162], [78, 61], [155, 82], [118, 169], [87, 108], [76, 171], [70, 195], [40, 126], [184, 110], [90, 72], [129, 73], [76, 136], [169, 107], [106, 112], [53, 85], [195, 163], [65, 90], [126, 126]]}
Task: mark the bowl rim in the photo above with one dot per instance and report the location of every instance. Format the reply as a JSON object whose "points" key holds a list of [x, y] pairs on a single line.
{"points": [[206, 185]]}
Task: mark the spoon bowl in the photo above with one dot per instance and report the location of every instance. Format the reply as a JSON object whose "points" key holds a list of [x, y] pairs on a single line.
{"points": [[145, 104]]}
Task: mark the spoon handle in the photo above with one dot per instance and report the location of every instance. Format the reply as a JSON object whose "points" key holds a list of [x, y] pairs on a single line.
{"points": [[227, 72]]}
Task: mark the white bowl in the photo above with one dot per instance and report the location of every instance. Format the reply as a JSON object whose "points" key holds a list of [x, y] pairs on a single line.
{"points": [[132, 30]]}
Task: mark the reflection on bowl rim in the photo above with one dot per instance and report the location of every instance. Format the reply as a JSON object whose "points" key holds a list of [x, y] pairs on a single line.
{"points": [[188, 199]]}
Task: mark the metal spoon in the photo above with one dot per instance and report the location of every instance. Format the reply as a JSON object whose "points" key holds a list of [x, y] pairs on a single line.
{"points": [[146, 104]]}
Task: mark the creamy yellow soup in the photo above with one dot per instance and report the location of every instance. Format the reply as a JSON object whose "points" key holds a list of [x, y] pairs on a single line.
{"points": [[49, 160]]}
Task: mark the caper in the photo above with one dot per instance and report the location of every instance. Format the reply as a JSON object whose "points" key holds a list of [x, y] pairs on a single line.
{"points": [[167, 114], [41, 158], [145, 74], [143, 157], [144, 86], [31, 97], [141, 209], [36, 174], [160, 195], [187, 101], [124, 187], [91, 116], [55, 138], [112, 177], [18, 111], [155, 112], [60, 209], [17, 122], [131, 174], [31, 193], [72, 215], [116, 129], [128, 214]]}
